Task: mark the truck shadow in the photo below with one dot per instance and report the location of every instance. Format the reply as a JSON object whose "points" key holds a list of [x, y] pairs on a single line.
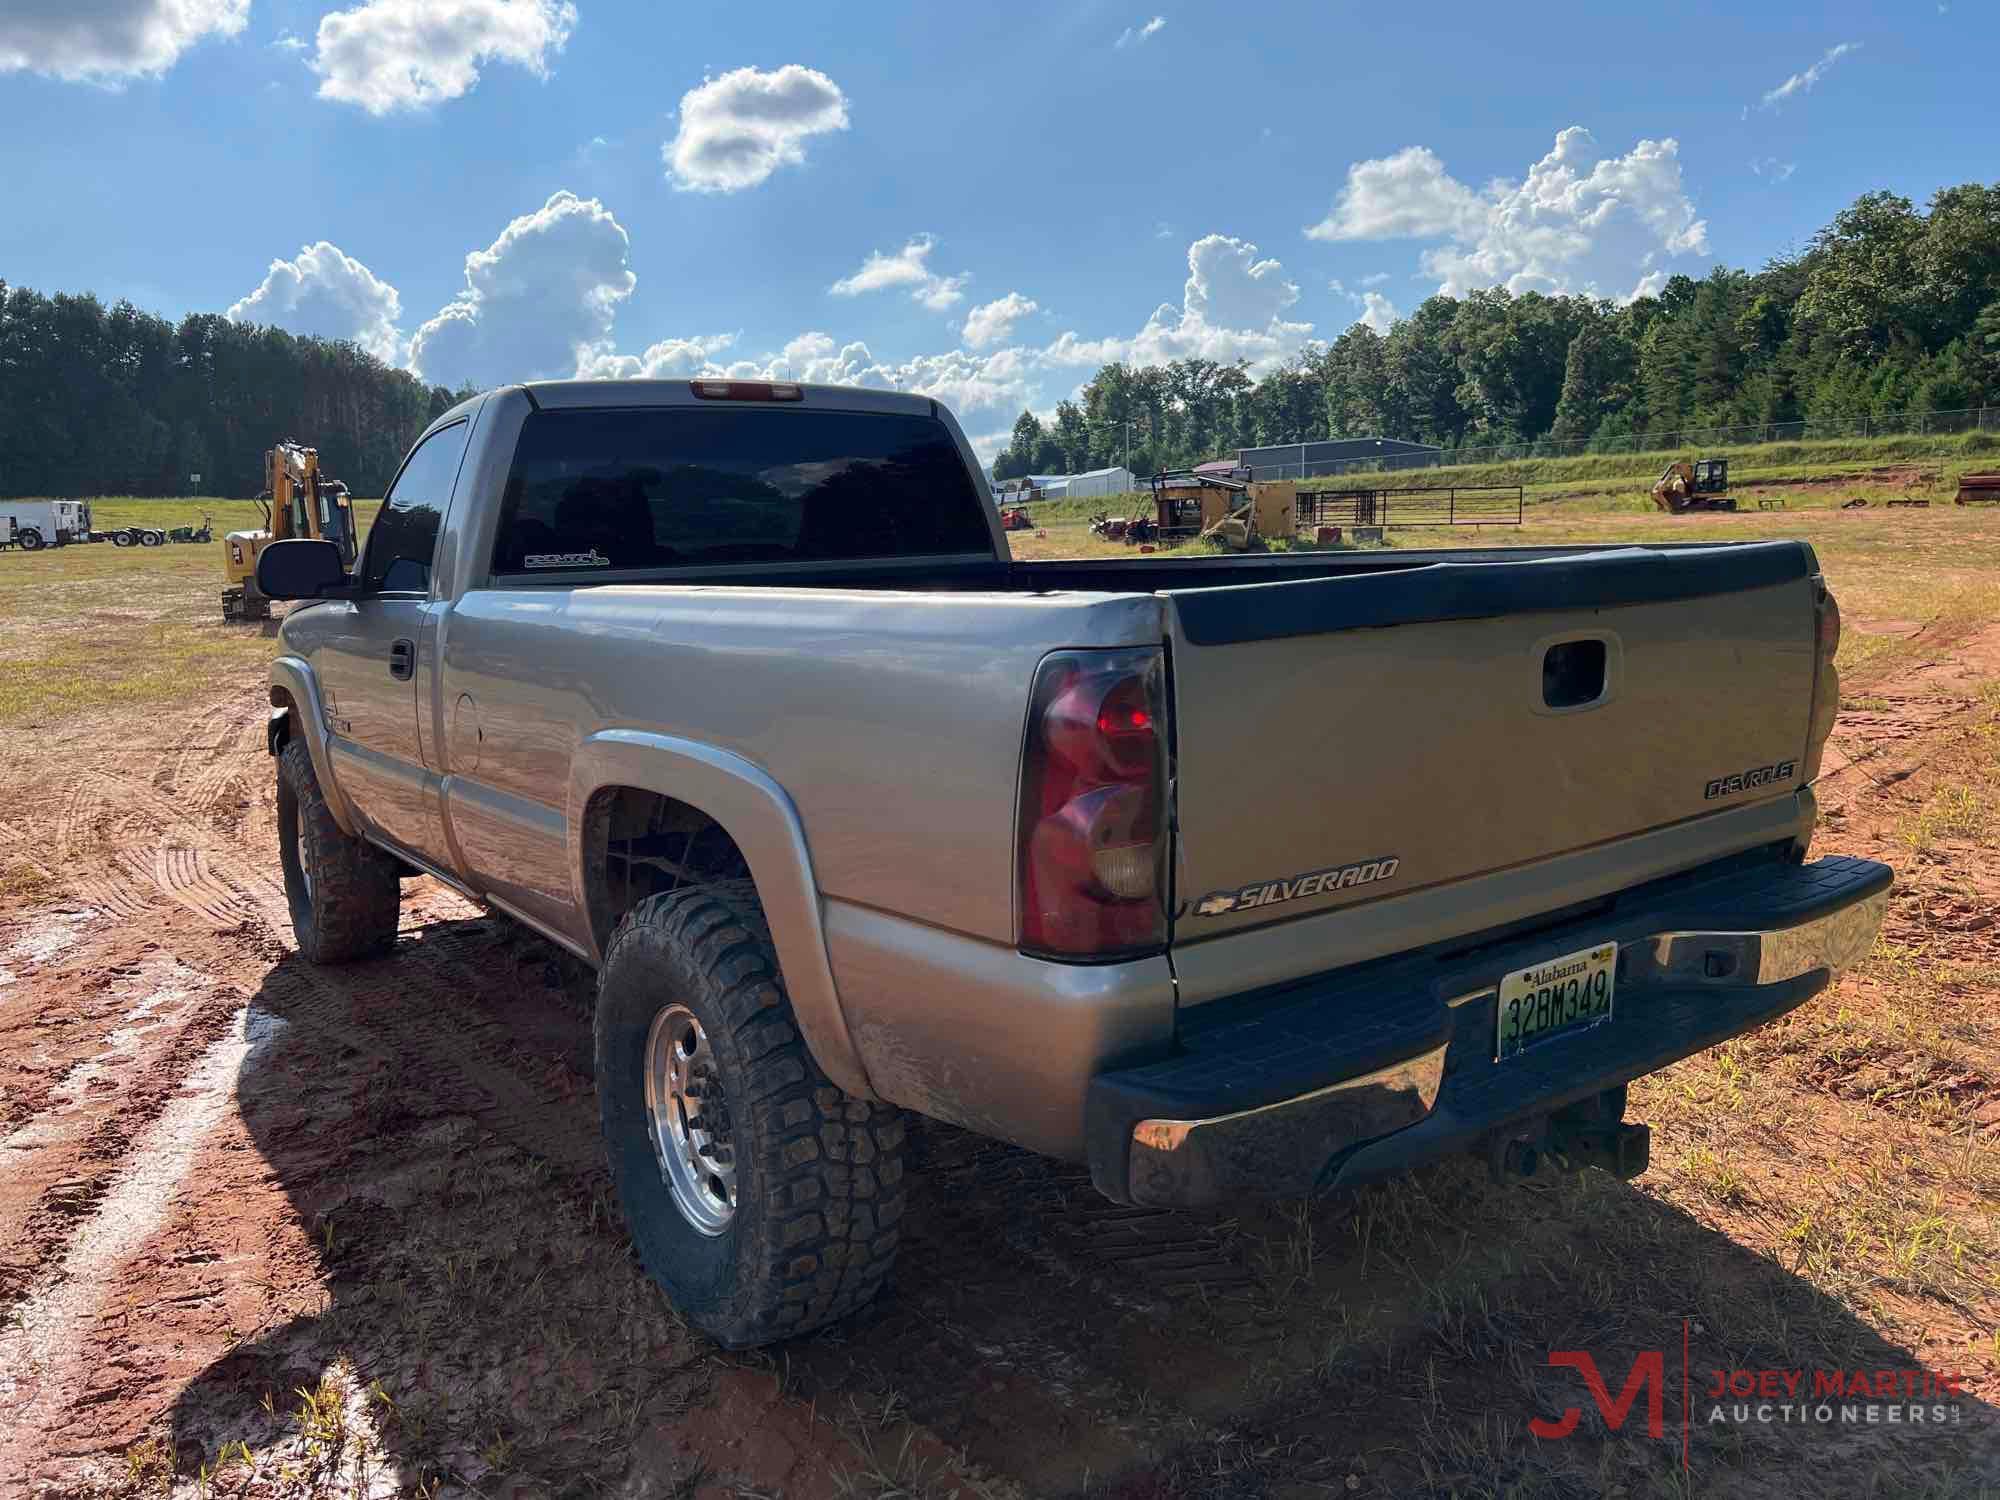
{"points": [[430, 1119]]}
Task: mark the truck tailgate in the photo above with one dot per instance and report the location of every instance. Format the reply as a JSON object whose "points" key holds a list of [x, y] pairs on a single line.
{"points": [[1358, 738]]}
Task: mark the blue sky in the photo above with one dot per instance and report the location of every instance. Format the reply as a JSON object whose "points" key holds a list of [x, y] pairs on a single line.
{"points": [[980, 202]]}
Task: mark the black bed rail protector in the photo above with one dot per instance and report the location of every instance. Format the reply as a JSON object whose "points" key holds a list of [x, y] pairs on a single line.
{"points": [[1481, 590]]}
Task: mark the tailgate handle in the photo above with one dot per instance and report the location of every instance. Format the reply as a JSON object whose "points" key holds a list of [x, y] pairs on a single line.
{"points": [[1575, 673]]}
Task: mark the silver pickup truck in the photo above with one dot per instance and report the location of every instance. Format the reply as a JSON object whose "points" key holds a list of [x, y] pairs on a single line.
{"points": [[1268, 874]]}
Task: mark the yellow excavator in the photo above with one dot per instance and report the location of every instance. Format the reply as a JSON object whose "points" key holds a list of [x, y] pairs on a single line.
{"points": [[1701, 485], [298, 502]]}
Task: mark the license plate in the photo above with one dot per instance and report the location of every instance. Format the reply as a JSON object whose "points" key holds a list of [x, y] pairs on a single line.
{"points": [[1555, 998]]}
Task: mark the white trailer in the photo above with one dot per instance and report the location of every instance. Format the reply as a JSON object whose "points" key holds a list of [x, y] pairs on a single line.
{"points": [[46, 523]]}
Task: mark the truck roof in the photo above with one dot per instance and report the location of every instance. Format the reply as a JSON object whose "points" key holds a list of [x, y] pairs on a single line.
{"points": [[585, 393]]}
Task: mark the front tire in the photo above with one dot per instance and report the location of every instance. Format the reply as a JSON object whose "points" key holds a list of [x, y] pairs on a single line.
{"points": [[344, 894], [764, 1200]]}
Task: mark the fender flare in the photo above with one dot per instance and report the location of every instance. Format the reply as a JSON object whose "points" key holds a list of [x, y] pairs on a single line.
{"points": [[758, 815], [291, 677]]}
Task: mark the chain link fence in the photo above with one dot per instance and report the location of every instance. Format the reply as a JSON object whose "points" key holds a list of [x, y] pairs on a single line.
{"points": [[1670, 440]]}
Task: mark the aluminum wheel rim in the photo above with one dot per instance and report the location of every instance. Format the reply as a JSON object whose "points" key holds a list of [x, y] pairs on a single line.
{"points": [[688, 1120]]}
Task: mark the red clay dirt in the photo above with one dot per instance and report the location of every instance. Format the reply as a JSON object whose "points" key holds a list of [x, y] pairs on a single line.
{"points": [[266, 1229]]}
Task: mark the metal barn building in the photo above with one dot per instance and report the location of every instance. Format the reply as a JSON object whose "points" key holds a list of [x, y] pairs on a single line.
{"points": [[1335, 456]]}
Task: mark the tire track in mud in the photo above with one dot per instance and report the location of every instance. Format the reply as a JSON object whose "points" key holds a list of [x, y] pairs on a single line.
{"points": [[76, 1136], [192, 863], [406, 1009], [183, 875], [105, 1224], [207, 769], [995, 1185], [78, 844]]}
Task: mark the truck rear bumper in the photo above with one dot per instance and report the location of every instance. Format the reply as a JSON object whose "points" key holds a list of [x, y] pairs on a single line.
{"points": [[1371, 1070]]}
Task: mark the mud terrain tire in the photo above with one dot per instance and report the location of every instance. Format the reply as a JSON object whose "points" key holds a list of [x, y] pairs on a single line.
{"points": [[818, 1175], [348, 908]]}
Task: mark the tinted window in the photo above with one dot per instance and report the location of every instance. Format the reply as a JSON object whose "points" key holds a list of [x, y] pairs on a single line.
{"points": [[403, 539], [693, 486]]}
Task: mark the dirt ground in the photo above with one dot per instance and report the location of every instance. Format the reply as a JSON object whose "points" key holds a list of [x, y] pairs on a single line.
{"points": [[269, 1231]]}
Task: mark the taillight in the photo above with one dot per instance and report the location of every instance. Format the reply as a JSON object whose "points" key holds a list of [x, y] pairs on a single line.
{"points": [[1093, 842], [1826, 680]]}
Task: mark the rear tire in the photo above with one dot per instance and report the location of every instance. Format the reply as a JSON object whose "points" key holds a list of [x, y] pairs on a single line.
{"points": [[790, 1191], [122, 539], [30, 540], [343, 893], [150, 538]]}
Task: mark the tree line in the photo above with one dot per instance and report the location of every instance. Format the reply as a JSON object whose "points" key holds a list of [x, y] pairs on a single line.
{"points": [[115, 401], [1888, 309]]}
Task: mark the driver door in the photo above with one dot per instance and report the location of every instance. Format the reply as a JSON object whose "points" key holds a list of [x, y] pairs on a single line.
{"points": [[367, 664]]}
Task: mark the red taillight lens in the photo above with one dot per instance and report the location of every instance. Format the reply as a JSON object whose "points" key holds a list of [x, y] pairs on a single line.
{"points": [[1093, 816]]}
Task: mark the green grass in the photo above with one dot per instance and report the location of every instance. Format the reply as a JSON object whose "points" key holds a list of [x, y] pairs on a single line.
{"points": [[1628, 477], [86, 627], [1751, 461]]}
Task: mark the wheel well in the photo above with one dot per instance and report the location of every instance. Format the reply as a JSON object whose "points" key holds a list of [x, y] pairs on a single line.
{"points": [[638, 843], [279, 733]]}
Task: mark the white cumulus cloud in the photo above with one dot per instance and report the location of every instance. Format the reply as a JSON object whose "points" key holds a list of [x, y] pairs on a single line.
{"points": [[1802, 83], [993, 322], [387, 55], [666, 360], [1377, 311], [1232, 307], [327, 292], [1580, 221], [1406, 196], [538, 302], [908, 267], [738, 129], [107, 41], [1133, 36]]}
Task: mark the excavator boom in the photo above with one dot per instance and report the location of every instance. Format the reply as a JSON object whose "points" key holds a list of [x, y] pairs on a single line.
{"points": [[298, 503]]}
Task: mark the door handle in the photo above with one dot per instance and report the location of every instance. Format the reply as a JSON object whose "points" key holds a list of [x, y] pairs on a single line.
{"points": [[402, 660]]}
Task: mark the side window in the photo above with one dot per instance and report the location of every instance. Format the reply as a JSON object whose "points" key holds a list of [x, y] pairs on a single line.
{"points": [[403, 540]]}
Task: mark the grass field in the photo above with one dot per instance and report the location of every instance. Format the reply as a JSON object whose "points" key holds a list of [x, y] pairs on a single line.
{"points": [[95, 625], [1809, 475]]}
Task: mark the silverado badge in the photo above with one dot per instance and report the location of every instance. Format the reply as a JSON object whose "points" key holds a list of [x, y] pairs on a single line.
{"points": [[1312, 883]]}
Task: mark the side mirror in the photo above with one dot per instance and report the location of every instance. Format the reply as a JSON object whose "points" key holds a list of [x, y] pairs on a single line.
{"points": [[300, 569]]}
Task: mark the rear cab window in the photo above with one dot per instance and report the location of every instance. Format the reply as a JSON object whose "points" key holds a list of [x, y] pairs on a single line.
{"points": [[614, 491]]}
